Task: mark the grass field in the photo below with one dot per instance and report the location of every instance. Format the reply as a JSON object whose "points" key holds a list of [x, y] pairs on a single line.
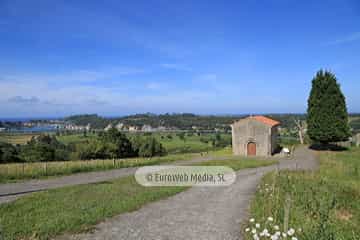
{"points": [[74, 209], [15, 138], [21, 171], [324, 204], [190, 144], [75, 138], [177, 149]]}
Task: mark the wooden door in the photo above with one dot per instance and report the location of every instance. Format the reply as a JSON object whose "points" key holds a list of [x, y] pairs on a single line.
{"points": [[251, 149]]}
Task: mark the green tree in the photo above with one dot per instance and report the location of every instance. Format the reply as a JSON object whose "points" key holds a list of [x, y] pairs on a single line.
{"points": [[181, 136], [150, 147], [147, 146], [118, 145], [327, 116], [8, 153], [44, 148]]}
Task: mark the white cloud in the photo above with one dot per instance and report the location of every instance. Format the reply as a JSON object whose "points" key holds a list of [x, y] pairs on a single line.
{"points": [[72, 77], [154, 86], [347, 39], [209, 77], [175, 66], [24, 100]]}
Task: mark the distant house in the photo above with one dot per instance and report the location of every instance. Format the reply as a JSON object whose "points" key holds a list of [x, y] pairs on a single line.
{"points": [[146, 128], [108, 127], [2, 129], [133, 128], [254, 136], [160, 129], [119, 126], [73, 127]]}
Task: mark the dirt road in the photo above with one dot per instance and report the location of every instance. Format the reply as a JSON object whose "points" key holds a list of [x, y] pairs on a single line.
{"points": [[198, 213]]}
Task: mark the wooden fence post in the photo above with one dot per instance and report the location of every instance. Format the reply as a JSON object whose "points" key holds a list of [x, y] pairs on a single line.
{"points": [[45, 168], [1, 233], [287, 212]]}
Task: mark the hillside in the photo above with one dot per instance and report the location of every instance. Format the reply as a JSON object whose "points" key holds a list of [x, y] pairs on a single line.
{"points": [[183, 121]]}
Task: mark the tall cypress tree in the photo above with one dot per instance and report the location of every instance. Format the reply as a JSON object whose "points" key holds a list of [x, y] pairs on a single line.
{"points": [[327, 116]]}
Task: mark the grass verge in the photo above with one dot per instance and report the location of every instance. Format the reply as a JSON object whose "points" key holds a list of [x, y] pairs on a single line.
{"points": [[74, 209], [238, 163], [323, 205], [21, 171]]}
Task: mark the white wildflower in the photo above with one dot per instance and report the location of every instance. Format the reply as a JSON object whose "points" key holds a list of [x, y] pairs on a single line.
{"points": [[265, 233], [256, 237], [253, 231], [252, 220], [274, 237], [299, 229], [291, 232], [270, 219], [284, 234], [257, 225], [276, 227], [294, 238], [247, 229]]}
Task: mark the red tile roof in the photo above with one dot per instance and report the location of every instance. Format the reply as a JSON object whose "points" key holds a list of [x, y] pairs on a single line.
{"points": [[266, 120]]}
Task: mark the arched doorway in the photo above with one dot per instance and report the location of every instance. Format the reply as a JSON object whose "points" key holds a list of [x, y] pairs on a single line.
{"points": [[251, 149]]}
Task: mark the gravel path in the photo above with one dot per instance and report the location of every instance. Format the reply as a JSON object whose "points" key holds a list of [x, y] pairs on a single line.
{"points": [[12, 191], [198, 213]]}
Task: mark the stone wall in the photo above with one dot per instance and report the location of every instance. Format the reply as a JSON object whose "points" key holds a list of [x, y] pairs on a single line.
{"points": [[250, 130]]}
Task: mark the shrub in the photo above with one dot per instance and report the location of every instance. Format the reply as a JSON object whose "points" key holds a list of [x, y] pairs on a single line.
{"points": [[147, 147], [116, 144], [44, 148], [8, 153]]}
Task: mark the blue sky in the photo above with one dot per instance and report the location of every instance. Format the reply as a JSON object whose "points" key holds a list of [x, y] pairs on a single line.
{"points": [[209, 57]]}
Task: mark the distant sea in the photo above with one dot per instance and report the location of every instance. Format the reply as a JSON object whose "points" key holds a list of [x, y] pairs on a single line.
{"points": [[26, 119], [34, 129]]}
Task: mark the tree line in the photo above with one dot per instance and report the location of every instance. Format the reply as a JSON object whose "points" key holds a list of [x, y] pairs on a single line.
{"points": [[110, 144], [183, 121]]}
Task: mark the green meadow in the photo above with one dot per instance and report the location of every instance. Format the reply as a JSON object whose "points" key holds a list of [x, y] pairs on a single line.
{"points": [[323, 205], [44, 215]]}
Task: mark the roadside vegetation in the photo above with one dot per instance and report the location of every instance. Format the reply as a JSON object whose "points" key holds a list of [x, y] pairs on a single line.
{"points": [[22, 171], [75, 209], [320, 205], [44, 215], [323, 205], [238, 163]]}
